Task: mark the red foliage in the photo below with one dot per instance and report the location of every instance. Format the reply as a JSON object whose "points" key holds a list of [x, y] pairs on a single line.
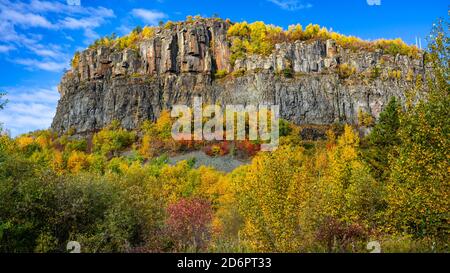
{"points": [[189, 223], [248, 148], [338, 235]]}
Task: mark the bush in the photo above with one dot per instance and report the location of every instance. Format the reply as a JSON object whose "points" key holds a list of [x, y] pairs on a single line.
{"points": [[112, 140], [258, 38], [75, 60], [365, 119], [254, 38], [189, 224], [345, 71], [221, 74]]}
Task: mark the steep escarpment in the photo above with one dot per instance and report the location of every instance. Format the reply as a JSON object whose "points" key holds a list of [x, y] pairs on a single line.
{"points": [[315, 81]]}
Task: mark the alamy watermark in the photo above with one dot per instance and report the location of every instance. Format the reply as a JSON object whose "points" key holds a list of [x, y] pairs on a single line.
{"points": [[262, 122], [74, 2], [374, 2]]}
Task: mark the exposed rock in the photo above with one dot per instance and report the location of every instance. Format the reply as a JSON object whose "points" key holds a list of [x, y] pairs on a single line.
{"points": [[179, 63]]}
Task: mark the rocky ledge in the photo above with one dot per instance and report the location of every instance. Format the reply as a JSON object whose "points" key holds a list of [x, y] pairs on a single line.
{"points": [[314, 82]]}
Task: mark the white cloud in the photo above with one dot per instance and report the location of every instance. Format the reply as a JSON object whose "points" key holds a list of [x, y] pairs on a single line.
{"points": [[38, 95], [33, 64], [19, 19], [6, 48], [83, 23], [150, 17], [28, 109], [291, 4]]}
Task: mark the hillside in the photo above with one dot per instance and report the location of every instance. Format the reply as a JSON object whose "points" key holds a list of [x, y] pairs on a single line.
{"points": [[131, 187], [316, 76]]}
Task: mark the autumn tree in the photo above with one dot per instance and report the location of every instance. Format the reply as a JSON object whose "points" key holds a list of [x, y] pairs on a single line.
{"points": [[419, 186], [189, 224], [349, 192], [269, 196]]}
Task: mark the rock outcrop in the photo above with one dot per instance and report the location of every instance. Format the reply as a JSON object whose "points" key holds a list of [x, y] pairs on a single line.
{"points": [[304, 78]]}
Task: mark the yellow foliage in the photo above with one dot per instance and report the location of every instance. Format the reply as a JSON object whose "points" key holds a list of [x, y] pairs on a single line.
{"points": [[164, 125], [58, 162], [365, 119], [395, 74], [346, 70], [77, 162], [43, 141], [269, 194], [76, 60], [295, 32], [349, 192], [254, 38], [259, 38], [148, 32], [24, 141], [145, 149]]}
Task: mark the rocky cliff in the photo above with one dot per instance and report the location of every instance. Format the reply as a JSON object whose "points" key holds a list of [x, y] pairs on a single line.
{"points": [[305, 78]]}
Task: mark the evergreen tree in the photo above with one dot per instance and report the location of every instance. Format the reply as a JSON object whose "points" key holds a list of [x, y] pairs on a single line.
{"points": [[382, 139]]}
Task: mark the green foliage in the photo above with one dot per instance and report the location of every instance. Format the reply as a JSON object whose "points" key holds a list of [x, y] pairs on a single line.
{"points": [[375, 72], [287, 73], [4, 102], [112, 139], [220, 74], [383, 139], [76, 145], [238, 73], [419, 183], [384, 134], [334, 196]]}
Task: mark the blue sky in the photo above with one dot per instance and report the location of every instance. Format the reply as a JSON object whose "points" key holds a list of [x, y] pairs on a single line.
{"points": [[38, 37]]}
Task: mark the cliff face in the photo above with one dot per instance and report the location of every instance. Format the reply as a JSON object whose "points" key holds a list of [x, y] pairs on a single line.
{"points": [[180, 63]]}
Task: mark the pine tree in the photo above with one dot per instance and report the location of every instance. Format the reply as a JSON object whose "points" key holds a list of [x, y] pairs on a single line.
{"points": [[382, 139]]}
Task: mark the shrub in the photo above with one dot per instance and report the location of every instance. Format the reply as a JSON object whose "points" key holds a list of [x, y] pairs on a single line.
{"points": [[75, 60], [254, 38], [365, 119], [221, 74], [238, 73], [345, 71], [269, 196], [76, 145], [112, 139], [258, 38], [77, 162], [395, 74], [287, 73], [295, 32], [375, 72], [339, 237], [148, 32], [169, 25], [189, 224]]}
